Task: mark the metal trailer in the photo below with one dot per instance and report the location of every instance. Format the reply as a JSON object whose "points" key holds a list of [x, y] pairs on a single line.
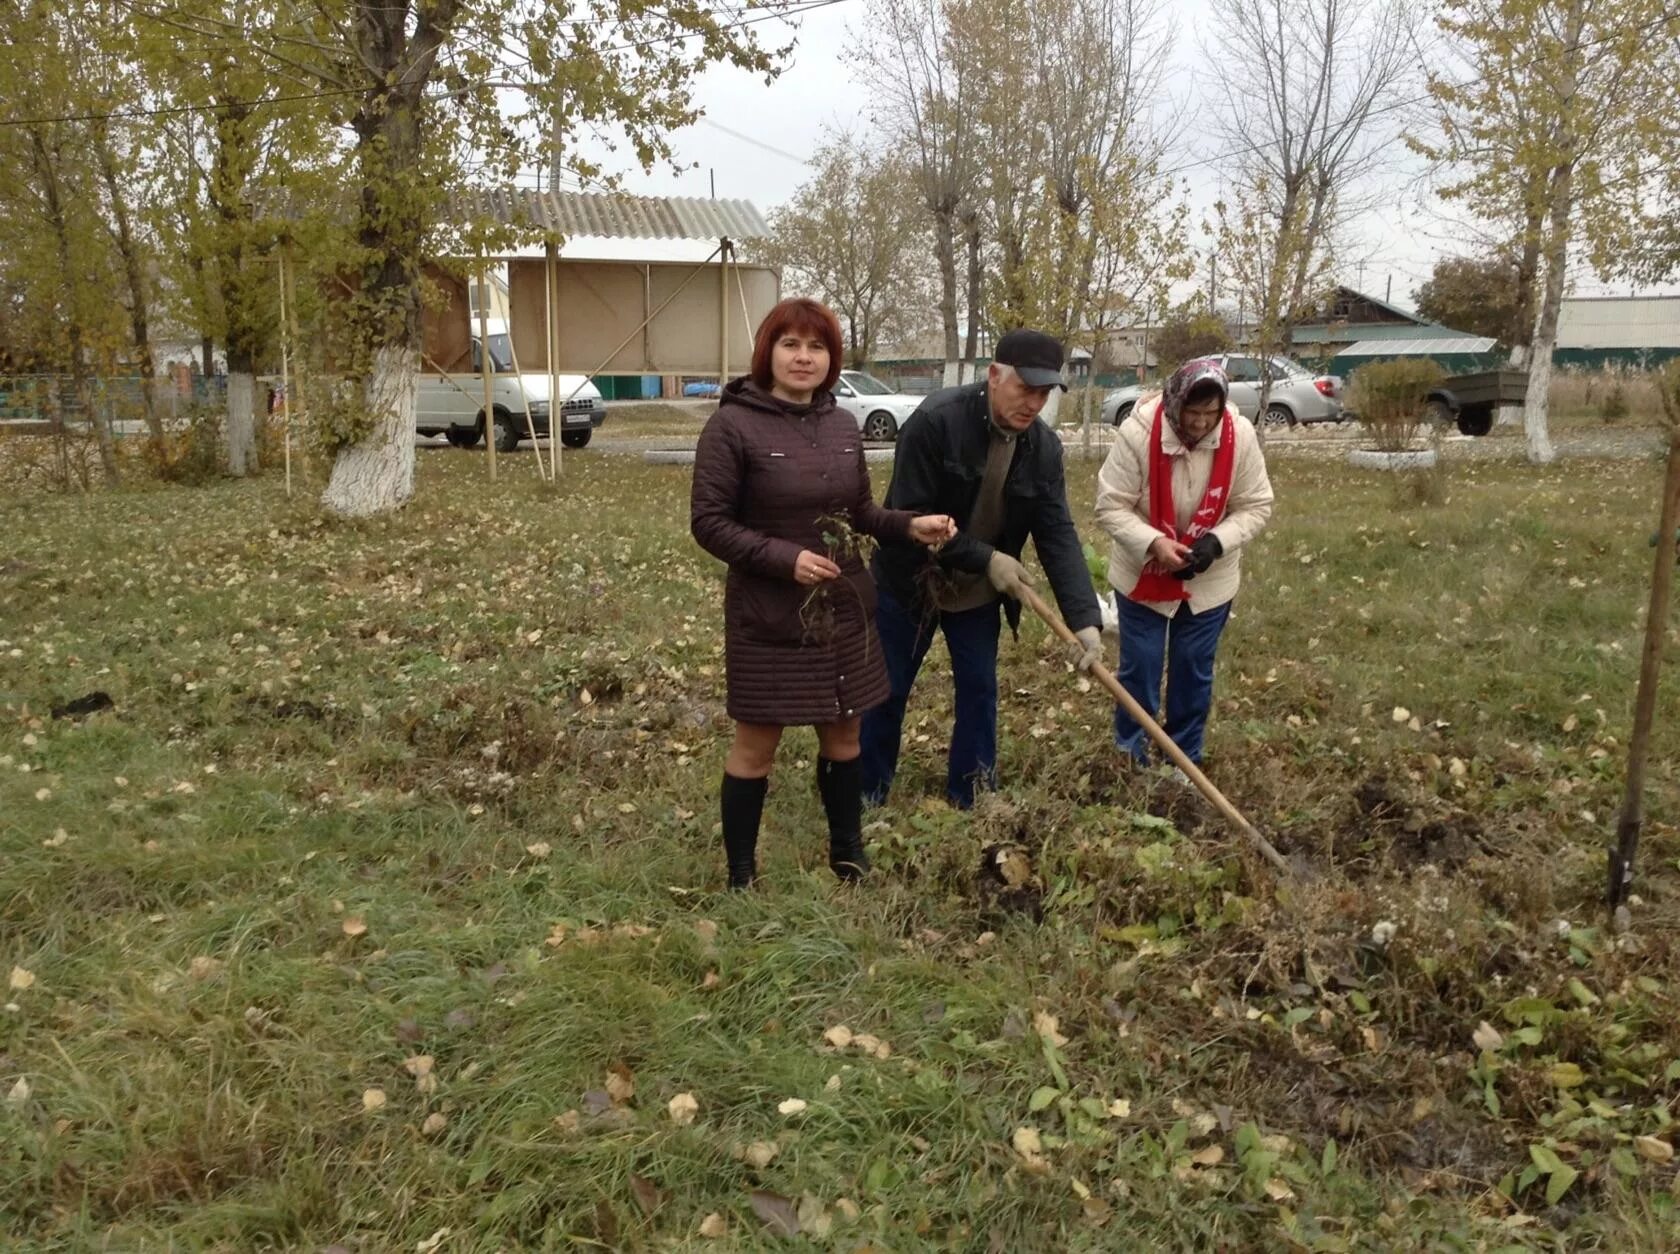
{"points": [[1469, 400]]}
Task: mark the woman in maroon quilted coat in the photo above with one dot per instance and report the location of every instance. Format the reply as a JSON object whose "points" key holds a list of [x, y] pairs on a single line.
{"points": [[778, 466]]}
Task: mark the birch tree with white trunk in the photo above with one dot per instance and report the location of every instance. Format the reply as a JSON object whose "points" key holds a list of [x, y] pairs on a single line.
{"points": [[1545, 107]]}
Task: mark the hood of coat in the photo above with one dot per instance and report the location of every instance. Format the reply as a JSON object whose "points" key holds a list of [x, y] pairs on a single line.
{"points": [[746, 393]]}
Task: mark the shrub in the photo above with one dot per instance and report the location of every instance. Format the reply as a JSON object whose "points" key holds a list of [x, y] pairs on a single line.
{"points": [[1389, 396], [191, 452], [1614, 406]]}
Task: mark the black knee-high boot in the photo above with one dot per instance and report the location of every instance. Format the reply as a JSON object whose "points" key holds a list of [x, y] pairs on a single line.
{"points": [[743, 805], [840, 785]]}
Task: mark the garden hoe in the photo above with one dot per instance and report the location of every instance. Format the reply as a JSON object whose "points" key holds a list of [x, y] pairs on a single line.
{"points": [[1203, 784]]}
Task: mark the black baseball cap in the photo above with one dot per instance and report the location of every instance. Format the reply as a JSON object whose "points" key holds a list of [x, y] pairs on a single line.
{"points": [[1037, 357]]}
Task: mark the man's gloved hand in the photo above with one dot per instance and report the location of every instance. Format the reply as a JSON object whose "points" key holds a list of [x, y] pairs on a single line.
{"points": [[1088, 649], [1007, 575], [1203, 553]]}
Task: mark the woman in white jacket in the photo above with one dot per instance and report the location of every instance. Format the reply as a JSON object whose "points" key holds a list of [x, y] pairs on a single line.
{"points": [[1183, 489]]}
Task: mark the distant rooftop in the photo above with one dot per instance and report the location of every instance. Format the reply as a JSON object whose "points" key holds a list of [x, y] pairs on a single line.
{"points": [[1436, 347]]}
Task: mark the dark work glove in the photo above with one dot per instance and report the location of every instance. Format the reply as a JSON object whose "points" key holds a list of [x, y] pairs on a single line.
{"points": [[1202, 555]]}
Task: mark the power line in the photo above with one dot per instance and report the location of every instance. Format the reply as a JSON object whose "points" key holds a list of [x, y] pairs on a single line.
{"points": [[756, 143]]}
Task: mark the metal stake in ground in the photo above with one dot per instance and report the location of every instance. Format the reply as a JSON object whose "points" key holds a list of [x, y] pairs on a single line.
{"points": [[1158, 734], [1650, 662]]}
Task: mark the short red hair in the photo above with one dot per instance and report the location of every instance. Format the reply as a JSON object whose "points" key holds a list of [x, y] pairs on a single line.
{"points": [[799, 314]]}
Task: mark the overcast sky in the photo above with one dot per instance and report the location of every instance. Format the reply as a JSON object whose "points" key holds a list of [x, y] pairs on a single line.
{"points": [[754, 140]]}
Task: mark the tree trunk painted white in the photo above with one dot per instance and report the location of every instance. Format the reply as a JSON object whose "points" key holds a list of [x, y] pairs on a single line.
{"points": [[241, 435], [377, 474], [1537, 402], [1540, 450]]}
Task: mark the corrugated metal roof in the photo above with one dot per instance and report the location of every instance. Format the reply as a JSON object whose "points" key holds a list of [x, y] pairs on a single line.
{"points": [[1420, 347], [1353, 332], [571, 214], [1619, 322], [609, 216]]}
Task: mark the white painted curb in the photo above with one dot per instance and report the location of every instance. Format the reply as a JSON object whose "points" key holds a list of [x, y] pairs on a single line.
{"points": [[1371, 459]]}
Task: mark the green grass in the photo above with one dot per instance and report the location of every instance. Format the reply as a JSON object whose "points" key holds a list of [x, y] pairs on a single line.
{"points": [[323, 724]]}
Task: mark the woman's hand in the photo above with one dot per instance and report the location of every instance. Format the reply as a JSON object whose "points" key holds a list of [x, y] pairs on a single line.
{"points": [[812, 568], [1169, 554], [933, 528]]}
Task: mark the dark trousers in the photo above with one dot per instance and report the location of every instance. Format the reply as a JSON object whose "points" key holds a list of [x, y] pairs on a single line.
{"points": [[972, 638], [1184, 644]]}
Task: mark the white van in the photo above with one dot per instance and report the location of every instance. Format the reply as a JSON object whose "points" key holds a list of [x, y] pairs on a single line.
{"points": [[453, 404]]}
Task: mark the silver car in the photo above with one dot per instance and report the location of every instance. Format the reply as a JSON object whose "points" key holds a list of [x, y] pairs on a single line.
{"points": [[879, 410], [1297, 395]]}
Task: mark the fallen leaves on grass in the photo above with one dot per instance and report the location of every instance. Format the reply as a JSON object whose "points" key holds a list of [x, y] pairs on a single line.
{"points": [[539, 849], [761, 1154], [840, 1037], [1049, 1028], [792, 1106], [434, 1124], [682, 1108], [19, 1093], [648, 1195], [1653, 1149], [621, 1084], [714, 1227], [373, 1099], [353, 927], [422, 1068], [1487, 1038], [778, 1213], [21, 979], [814, 1219], [1013, 866], [1029, 1147], [1566, 1075]]}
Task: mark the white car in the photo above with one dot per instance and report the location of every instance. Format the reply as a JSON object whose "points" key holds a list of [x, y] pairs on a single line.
{"points": [[1297, 395], [879, 410], [453, 404]]}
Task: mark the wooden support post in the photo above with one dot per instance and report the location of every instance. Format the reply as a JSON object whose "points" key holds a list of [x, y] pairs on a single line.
{"points": [[298, 404], [551, 329], [1645, 703], [487, 366], [525, 403], [285, 368], [723, 315]]}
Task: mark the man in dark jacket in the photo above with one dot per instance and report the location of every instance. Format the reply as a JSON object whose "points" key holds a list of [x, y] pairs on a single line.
{"points": [[979, 454]]}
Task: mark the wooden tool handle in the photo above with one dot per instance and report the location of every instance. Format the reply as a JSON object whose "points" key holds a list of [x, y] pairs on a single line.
{"points": [[1168, 746]]}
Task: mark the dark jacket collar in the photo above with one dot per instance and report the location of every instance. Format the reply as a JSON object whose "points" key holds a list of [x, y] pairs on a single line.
{"points": [[745, 392]]}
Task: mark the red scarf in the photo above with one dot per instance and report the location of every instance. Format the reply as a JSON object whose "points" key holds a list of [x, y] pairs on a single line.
{"points": [[1155, 584]]}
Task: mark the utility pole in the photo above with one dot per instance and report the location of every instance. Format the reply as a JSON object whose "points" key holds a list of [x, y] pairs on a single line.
{"points": [[556, 134]]}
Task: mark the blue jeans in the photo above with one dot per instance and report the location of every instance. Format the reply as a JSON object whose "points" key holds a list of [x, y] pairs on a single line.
{"points": [[972, 638], [1185, 645]]}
